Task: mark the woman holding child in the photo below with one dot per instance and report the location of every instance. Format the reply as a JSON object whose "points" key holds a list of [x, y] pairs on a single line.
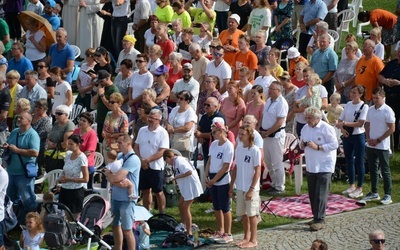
{"points": [[75, 174], [351, 123]]}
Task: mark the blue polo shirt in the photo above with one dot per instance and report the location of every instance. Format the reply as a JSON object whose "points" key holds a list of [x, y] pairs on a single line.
{"points": [[36, 93], [132, 165], [54, 20], [59, 57], [27, 140], [21, 66], [313, 10], [324, 61]]}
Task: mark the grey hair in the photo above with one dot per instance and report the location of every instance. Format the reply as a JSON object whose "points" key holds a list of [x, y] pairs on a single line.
{"points": [[278, 84], [64, 109], [194, 47], [314, 111], [252, 118], [325, 37], [151, 92], [213, 100], [177, 56], [63, 30], [375, 233], [32, 73], [156, 112], [323, 25]]}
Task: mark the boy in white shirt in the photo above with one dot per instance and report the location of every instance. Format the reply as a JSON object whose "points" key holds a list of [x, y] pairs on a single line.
{"points": [[264, 78]]}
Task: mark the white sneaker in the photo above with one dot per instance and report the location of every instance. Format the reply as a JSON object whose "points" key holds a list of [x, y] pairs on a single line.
{"points": [[356, 193], [209, 211], [348, 191]]}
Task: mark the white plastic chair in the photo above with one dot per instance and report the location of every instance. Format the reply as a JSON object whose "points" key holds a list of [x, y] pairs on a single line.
{"points": [[356, 5], [129, 30], [347, 16], [98, 160], [51, 178], [334, 34], [359, 30], [94, 114], [77, 51]]}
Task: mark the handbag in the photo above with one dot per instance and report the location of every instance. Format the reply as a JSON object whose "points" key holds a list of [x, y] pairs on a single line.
{"points": [[54, 159], [180, 142], [356, 115], [31, 168]]}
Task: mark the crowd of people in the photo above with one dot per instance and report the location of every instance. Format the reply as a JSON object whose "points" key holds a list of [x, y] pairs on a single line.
{"points": [[212, 94]]}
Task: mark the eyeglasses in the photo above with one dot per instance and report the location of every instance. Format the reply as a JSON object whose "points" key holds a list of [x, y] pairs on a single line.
{"points": [[181, 99], [10, 78], [212, 47], [207, 104], [41, 66], [59, 113], [112, 102], [139, 61], [378, 241], [218, 54]]}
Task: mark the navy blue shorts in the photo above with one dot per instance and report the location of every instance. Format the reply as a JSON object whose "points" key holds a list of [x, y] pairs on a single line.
{"points": [[151, 178], [220, 198]]}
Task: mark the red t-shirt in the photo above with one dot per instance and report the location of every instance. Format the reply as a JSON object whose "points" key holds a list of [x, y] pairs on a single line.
{"points": [[298, 83]]}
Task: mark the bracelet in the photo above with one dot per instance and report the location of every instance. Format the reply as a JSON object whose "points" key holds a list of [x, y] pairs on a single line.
{"points": [[318, 147], [378, 140], [102, 95], [252, 188]]}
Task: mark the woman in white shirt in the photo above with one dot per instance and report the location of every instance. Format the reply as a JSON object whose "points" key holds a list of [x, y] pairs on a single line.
{"points": [[63, 91], [35, 42]]}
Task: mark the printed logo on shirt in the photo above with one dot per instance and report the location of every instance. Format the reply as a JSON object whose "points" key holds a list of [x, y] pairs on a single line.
{"points": [[177, 171], [247, 158], [362, 69], [57, 93], [219, 155]]}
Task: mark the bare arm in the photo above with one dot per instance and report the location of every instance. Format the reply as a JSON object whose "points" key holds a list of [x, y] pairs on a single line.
{"points": [[70, 66], [70, 99], [164, 94]]}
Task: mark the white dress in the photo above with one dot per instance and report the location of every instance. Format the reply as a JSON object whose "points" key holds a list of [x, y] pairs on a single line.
{"points": [[190, 186], [70, 17], [90, 26]]}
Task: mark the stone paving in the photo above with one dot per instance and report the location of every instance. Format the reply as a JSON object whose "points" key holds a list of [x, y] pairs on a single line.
{"points": [[343, 231]]}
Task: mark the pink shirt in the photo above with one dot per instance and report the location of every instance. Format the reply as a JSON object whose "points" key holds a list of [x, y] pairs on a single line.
{"points": [[257, 111], [231, 112], [89, 144]]}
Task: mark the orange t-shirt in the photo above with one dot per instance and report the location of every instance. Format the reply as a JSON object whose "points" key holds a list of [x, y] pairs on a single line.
{"points": [[384, 18], [292, 65], [230, 39], [367, 73], [240, 60]]}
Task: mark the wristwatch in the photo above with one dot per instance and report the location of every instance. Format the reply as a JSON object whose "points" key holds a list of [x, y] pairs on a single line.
{"points": [[101, 95]]}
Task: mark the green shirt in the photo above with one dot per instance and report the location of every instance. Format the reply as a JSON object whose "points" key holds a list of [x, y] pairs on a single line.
{"points": [[4, 31]]}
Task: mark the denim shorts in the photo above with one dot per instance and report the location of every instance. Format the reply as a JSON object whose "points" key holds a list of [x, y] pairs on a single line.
{"points": [[124, 214], [220, 198]]}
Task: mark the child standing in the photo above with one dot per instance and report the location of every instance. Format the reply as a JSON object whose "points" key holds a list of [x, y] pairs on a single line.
{"points": [[114, 166], [144, 235], [274, 67], [264, 78], [312, 98], [334, 108], [376, 36], [298, 79], [33, 235]]}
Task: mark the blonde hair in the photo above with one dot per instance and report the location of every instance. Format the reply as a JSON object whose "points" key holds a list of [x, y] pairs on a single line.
{"points": [[277, 53], [314, 77], [335, 96], [377, 32], [24, 103], [36, 217]]}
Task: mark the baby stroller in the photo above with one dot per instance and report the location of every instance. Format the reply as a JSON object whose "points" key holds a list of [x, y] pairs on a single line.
{"points": [[59, 230]]}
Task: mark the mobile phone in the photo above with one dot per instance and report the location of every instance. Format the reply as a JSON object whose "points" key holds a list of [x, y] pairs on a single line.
{"points": [[90, 71], [197, 25]]}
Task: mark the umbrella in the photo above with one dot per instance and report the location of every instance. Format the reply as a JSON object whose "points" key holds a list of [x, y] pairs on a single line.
{"points": [[142, 214], [44, 25]]}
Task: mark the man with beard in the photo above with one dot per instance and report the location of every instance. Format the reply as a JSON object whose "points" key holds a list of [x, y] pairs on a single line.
{"points": [[187, 83]]}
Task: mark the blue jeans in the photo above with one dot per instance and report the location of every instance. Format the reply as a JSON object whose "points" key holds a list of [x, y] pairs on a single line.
{"points": [[118, 30], [22, 188], [124, 214], [378, 157], [354, 147]]}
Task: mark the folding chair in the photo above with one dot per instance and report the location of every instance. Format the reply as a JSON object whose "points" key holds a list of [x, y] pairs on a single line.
{"points": [[264, 205]]}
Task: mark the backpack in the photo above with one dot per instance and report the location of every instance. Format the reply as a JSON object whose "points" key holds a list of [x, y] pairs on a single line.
{"points": [[176, 239], [57, 232], [171, 195], [162, 222]]}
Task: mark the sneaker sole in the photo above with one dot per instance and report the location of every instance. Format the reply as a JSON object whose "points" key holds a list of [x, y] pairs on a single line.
{"points": [[387, 202], [356, 196]]}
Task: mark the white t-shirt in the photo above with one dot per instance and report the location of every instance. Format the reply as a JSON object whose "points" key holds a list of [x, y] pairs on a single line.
{"points": [[221, 6], [258, 140], [35, 7], [152, 66], [121, 10], [331, 45], [264, 81], [192, 86], [149, 38], [223, 71], [31, 52], [73, 169], [348, 115], [379, 50], [150, 142], [218, 156], [358, 53], [203, 42], [190, 186], [378, 120], [274, 110], [177, 119], [3, 190], [334, 9], [140, 82], [130, 55], [85, 78], [246, 159], [60, 95], [258, 19]]}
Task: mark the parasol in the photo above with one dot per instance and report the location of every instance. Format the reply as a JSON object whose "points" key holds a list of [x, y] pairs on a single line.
{"points": [[142, 214], [44, 25]]}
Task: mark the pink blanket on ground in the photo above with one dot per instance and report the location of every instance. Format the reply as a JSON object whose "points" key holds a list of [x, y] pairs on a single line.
{"points": [[299, 206]]}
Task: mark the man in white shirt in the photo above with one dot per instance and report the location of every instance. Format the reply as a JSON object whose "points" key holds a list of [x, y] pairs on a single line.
{"points": [[219, 68], [380, 124], [187, 83], [128, 52], [273, 131], [199, 63], [319, 141]]}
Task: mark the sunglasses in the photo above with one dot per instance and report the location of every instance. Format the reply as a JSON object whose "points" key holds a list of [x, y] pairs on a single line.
{"points": [[218, 54], [41, 66], [378, 241], [156, 75], [59, 113], [139, 61], [112, 102]]}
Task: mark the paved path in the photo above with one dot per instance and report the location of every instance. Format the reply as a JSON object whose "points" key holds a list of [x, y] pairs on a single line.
{"points": [[343, 231]]}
